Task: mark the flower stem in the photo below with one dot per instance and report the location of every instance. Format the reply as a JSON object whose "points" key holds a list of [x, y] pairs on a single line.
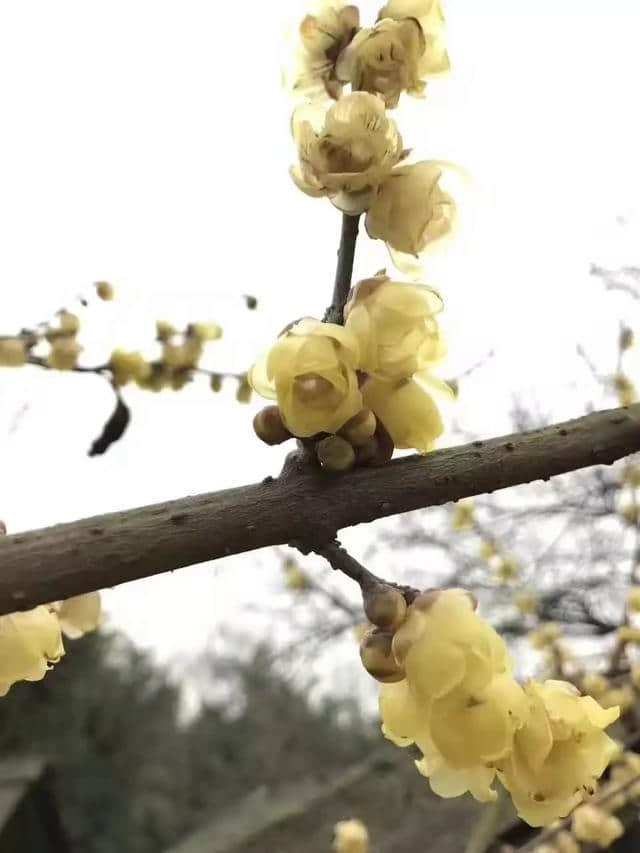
{"points": [[344, 270]]}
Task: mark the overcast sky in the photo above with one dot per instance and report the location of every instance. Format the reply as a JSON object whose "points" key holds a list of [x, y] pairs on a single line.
{"points": [[146, 142]]}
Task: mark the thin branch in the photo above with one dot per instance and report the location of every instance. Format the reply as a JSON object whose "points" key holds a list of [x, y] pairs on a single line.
{"points": [[69, 559], [344, 270], [340, 560]]}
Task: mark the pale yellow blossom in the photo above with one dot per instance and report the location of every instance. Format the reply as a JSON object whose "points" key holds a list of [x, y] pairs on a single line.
{"points": [[428, 13], [295, 578], [310, 371], [350, 836], [30, 643], [633, 599], [346, 151], [64, 353], [410, 211], [322, 36], [128, 366], [396, 326], [409, 408], [463, 515], [526, 602], [592, 824], [558, 754], [13, 352], [386, 59], [78, 615], [595, 684], [507, 569], [544, 635]]}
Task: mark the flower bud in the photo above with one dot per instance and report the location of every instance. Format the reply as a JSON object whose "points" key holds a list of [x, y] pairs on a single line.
{"points": [[165, 331], [204, 331], [243, 391], [335, 453], [385, 606], [360, 428], [13, 352], [63, 354], [626, 339], [104, 290], [377, 657], [215, 383], [68, 322], [268, 426]]}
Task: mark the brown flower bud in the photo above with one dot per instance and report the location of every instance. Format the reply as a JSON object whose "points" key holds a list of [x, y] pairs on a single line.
{"points": [[335, 453], [377, 657], [377, 450], [626, 339], [215, 382], [269, 427], [385, 606], [360, 428], [104, 290]]}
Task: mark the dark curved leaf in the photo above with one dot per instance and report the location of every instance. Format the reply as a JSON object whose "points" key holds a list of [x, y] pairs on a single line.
{"points": [[113, 429]]}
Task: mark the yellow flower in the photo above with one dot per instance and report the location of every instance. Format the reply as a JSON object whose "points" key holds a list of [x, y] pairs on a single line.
{"points": [[322, 37], [625, 771], [626, 390], [128, 366], [310, 371], [507, 569], [350, 836], [78, 615], [13, 352], [631, 476], [294, 578], [64, 353], [182, 356], [407, 408], [633, 598], [409, 210], [628, 634], [595, 684], [30, 642], [385, 60], [345, 152], [589, 823], [395, 326], [621, 697], [543, 636], [459, 701], [487, 550], [558, 754], [463, 515], [460, 670], [526, 602]]}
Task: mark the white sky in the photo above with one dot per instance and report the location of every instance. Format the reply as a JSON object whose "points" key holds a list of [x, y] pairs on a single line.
{"points": [[146, 142]]}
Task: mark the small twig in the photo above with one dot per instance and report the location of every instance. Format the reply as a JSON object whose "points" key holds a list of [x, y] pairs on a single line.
{"points": [[344, 270], [340, 560]]}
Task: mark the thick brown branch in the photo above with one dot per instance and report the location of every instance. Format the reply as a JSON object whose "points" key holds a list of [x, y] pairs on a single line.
{"points": [[68, 559]]}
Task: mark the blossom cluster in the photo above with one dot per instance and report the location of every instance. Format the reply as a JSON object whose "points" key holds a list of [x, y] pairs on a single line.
{"points": [[350, 151], [357, 391], [448, 687]]}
